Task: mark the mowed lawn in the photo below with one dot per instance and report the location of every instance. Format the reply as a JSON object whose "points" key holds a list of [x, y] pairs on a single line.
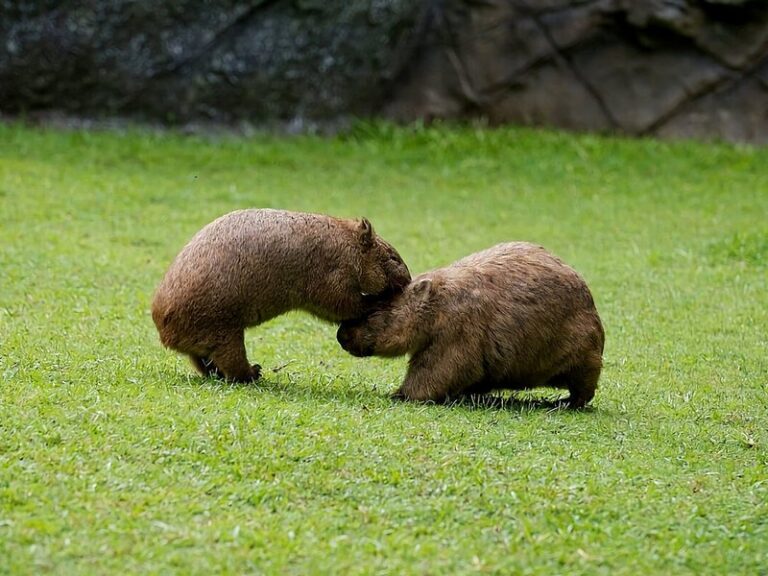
{"points": [[116, 458]]}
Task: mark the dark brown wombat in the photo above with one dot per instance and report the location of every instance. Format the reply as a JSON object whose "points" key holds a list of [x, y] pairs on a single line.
{"points": [[252, 265], [510, 317]]}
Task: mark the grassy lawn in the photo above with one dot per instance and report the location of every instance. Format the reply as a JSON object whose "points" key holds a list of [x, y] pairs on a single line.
{"points": [[116, 458]]}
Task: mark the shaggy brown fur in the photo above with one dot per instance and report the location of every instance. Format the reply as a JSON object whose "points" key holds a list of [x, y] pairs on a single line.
{"points": [[252, 265], [510, 317]]}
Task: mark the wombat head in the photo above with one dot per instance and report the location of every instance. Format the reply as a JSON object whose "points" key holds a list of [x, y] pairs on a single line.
{"points": [[382, 270], [392, 328]]}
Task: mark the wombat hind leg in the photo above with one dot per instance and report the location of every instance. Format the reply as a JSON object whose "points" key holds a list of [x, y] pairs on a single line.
{"points": [[205, 366], [231, 360], [581, 383]]}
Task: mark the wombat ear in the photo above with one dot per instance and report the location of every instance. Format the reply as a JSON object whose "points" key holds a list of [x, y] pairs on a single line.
{"points": [[366, 232], [422, 288]]}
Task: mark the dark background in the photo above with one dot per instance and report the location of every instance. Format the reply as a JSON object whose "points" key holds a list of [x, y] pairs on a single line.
{"points": [[683, 68]]}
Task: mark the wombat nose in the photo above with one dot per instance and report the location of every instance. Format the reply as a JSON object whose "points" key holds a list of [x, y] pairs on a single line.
{"points": [[399, 284], [342, 337]]}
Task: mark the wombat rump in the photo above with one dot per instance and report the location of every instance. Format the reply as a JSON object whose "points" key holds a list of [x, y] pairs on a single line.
{"points": [[249, 266], [510, 317]]}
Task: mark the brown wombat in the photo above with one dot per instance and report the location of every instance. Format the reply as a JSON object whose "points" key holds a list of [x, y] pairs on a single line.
{"points": [[251, 265], [510, 317]]}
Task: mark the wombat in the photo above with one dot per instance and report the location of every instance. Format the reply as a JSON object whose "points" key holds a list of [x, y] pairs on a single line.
{"points": [[249, 266], [510, 317]]}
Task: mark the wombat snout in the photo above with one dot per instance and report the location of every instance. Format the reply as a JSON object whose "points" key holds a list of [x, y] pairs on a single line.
{"points": [[399, 282], [351, 342]]}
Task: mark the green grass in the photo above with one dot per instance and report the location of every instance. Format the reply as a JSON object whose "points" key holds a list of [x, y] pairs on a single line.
{"points": [[115, 458]]}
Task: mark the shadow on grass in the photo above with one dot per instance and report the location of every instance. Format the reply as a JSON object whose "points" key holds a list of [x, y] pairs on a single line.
{"points": [[294, 388], [288, 387], [515, 404]]}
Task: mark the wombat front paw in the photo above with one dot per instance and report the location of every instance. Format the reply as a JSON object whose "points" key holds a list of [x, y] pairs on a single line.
{"points": [[417, 394], [246, 376], [576, 402]]}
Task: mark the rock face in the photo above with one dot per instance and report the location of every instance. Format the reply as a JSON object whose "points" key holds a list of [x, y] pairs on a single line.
{"points": [[191, 59], [692, 68]]}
